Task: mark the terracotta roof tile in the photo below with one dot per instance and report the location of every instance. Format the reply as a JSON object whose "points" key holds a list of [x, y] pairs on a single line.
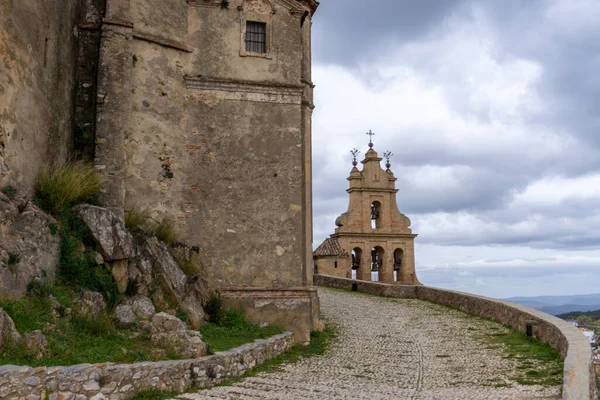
{"points": [[329, 247]]}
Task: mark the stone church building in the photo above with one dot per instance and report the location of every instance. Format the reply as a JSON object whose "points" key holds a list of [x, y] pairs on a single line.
{"points": [[206, 116], [372, 238], [197, 110]]}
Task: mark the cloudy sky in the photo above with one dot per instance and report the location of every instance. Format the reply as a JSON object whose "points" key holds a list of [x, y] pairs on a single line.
{"points": [[492, 111]]}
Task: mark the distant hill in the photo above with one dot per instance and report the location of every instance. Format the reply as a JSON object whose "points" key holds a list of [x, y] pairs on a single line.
{"points": [[560, 304], [595, 315]]}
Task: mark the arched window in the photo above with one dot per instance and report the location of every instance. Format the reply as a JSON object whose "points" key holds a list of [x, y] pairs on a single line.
{"points": [[376, 262], [356, 257], [375, 215]]}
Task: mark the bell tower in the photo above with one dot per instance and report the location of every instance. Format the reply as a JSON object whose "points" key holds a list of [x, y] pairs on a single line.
{"points": [[372, 235]]}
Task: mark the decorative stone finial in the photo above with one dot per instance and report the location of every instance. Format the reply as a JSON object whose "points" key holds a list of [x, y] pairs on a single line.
{"points": [[354, 153], [387, 156], [371, 134]]}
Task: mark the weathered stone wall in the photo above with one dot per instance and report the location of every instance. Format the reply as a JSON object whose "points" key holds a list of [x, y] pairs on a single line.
{"points": [[37, 68], [579, 374], [122, 381], [340, 266]]}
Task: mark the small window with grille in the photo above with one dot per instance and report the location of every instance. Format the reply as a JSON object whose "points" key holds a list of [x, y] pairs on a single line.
{"points": [[256, 37]]}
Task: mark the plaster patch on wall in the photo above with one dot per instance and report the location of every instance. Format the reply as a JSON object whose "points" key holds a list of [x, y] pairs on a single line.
{"points": [[279, 250], [281, 304]]}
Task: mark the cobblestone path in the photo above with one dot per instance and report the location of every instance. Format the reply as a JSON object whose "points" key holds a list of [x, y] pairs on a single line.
{"points": [[392, 349]]}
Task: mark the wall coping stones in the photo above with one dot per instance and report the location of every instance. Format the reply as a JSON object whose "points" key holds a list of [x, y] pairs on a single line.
{"points": [[579, 377], [121, 381]]}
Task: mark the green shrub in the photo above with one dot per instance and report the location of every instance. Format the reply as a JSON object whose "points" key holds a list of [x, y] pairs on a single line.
{"points": [[10, 191], [39, 289], [165, 231], [183, 315], [81, 271], [214, 309], [61, 187]]}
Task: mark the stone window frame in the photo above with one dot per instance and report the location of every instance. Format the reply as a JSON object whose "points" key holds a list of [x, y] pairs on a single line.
{"points": [[249, 14]]}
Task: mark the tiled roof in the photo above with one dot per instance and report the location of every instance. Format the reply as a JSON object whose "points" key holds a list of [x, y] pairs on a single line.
{"points": [[329, 247]]}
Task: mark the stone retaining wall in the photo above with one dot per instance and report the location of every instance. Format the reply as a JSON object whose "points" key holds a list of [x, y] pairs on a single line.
{"points": [[579, 374], [122, 381]]}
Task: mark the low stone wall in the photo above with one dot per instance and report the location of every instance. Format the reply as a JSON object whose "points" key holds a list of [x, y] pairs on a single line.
{"points": [[579, 374], [122, 381]]}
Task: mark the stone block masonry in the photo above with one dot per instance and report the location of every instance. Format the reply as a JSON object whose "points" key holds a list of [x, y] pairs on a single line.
{"points": [[122, 381], [579, 380]]}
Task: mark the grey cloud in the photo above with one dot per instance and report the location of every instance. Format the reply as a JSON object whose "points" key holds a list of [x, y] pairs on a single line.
{"points": [[353, 30], [561, 113]]}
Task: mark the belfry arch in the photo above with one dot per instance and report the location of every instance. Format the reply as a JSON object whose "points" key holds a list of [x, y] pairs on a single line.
{"points": [[377, 235], [398, 255], [377, 262], [375, 215]]}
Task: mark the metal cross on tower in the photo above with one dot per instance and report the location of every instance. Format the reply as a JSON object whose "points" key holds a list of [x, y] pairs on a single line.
{"points": [[388, 155], [354, 153], [371, 134]]}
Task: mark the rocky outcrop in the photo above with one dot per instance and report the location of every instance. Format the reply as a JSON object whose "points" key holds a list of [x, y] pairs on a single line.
{"points": [[36, 344], [154, 263], [143, 265], [124, 316], [29, 246], [90, 304], [8, 331], [169, 331], [114, 240], [120, 272], [141, 306]]}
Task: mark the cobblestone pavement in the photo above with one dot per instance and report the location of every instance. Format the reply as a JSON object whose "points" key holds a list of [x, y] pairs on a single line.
{"points": [[392, 349]]}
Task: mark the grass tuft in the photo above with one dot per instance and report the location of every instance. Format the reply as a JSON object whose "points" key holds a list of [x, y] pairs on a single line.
{"points": [[165, 231], [60, 187], [137, 219]]}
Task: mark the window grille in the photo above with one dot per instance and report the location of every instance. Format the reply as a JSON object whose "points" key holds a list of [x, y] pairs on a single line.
{"points": [[256, 37]]}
